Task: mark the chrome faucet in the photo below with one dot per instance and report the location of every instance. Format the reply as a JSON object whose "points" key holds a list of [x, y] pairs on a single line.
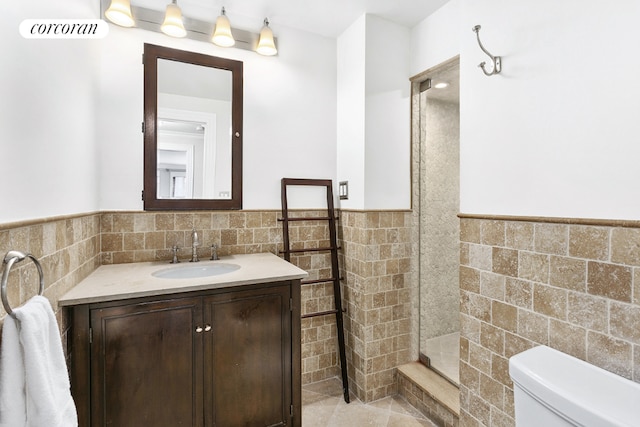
{"points": [[194, 246], [214, 252]]}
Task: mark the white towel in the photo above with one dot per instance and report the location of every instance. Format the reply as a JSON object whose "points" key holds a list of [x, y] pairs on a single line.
{"points": [[34, 382]]}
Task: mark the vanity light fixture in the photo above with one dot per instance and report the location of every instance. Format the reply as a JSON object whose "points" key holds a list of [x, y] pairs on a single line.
{"points": [[222, 35], [441, 85], [172, 25], [266, 45], [119, 12]]}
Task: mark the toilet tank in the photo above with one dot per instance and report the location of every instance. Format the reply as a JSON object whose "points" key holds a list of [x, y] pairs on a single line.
{"points": [[553, 389]]}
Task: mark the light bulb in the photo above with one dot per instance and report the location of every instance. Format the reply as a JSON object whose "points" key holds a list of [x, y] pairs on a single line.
{"points": [[172, 25], [119, 12], [266, 45], [222, 35]]}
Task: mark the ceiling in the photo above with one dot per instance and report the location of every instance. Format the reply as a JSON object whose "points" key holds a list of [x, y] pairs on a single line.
{"points": [[328, 18]]}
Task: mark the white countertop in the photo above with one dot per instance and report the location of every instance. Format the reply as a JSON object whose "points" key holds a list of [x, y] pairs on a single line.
{"points": [[124, 281]]}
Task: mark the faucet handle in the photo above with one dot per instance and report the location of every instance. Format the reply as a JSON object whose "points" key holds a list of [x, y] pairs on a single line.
{"points": [[174, 250], [214, 252]]}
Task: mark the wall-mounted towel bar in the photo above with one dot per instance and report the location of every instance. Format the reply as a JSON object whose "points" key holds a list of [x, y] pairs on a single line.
{"points": [[11, 258]]}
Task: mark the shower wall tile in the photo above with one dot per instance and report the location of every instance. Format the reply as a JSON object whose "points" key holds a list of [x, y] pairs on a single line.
{"points": [[575, 288]]}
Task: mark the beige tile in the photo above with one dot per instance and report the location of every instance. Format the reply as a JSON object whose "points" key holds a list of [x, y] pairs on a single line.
{"points": [[164, 221], [492, 233], [112, 242], [469, 279], [625, 246], [491, 391], [492, 338], [519, 293], [609, 280], [492, 286], [550, 301], [624, 321], [469, 230], [519, 235], [568, 273], [500, 370], [123, 223], [551, 238], [610, 354], [533, 326], [504, 316], [568, 338], [636, 286], [587, 311], [505, 261], [589, 242], [534, 267]]}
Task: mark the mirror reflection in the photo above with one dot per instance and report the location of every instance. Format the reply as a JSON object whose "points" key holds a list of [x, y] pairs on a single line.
{"points": [[192, 130]]}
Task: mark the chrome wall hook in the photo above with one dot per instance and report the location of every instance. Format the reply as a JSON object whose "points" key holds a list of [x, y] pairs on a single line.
{"points": [[496, 60]]}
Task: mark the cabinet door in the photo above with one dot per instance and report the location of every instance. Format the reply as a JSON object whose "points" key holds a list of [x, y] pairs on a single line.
{"points": [[248, 358], [147, 364]]}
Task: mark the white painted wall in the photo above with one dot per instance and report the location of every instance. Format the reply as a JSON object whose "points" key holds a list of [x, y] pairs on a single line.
{"points": [[351, 66], [47, 116], [556, 134], [289, 114], [436, 39], [387, 129], [373, 114]]}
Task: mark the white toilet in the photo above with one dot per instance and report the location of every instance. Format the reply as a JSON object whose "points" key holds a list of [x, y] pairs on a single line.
{"points": [[553, 389]]}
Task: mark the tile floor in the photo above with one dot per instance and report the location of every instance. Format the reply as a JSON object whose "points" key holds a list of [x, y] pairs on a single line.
{"points": [[444, 354], [323, 406]]}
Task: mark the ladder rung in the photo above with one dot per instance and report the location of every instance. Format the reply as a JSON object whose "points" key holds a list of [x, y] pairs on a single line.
{"points": [[311, 282], [321, 313], [290, 251], [306, 218]]}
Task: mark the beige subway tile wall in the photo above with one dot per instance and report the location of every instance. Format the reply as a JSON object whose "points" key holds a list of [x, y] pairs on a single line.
{"points": [[573, 285]]}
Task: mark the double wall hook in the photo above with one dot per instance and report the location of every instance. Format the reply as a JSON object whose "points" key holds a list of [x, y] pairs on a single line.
{"points": [[496, 60]]}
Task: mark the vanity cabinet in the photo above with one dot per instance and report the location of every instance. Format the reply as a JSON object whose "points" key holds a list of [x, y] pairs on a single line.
{"points": [[226, 357]]}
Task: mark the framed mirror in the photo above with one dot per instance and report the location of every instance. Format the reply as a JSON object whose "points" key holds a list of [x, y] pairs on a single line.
{"points": [[192, 130]]}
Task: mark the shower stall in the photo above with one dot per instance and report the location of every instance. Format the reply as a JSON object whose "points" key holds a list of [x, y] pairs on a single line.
{"points": [[438, 195]]}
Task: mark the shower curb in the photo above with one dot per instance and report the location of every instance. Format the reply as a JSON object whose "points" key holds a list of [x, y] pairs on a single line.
{"points": [[434, 396]]}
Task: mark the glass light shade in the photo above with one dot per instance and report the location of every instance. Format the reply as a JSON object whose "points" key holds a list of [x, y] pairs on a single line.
{"points": [[266, 45], [222, 35], [119, 12], [172, 25]]}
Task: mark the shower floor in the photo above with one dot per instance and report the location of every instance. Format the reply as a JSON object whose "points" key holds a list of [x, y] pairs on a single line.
{"points": [[444, 354]]}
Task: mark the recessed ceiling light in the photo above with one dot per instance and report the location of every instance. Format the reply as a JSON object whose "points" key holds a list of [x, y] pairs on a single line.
{"points": [[441, 85]]}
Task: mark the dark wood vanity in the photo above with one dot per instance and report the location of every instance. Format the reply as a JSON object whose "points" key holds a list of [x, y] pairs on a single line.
{"points": [[225, 356]]}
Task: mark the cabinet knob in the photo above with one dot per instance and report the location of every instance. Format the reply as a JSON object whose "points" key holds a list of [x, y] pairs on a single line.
{"points": [[207, 328], [199, 329]]}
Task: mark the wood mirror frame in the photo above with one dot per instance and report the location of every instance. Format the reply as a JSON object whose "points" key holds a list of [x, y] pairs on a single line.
{"points": [[152, 54]]}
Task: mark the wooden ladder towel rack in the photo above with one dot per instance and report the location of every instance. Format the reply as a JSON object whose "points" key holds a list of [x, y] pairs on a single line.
{"points": [[332, 248]]}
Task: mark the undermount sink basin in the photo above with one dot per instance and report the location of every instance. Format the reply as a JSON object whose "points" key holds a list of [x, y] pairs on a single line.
{"points": [[193, 271]]}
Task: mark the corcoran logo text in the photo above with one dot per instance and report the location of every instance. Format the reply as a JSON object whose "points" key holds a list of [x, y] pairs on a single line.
{"points": [[63, 28]]}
